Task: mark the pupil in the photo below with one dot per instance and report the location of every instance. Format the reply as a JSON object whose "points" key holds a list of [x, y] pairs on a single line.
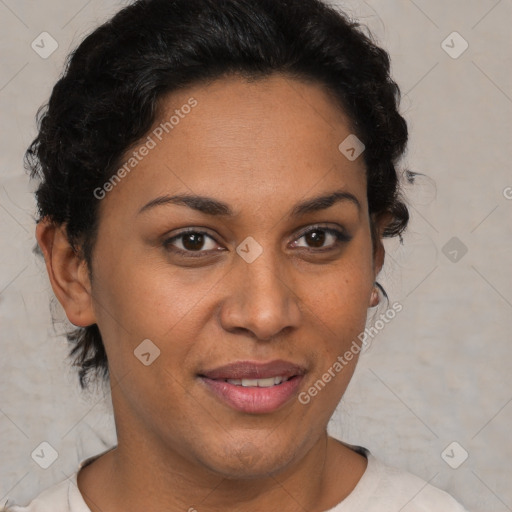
{"points": [[193, 241], [315, 238]]}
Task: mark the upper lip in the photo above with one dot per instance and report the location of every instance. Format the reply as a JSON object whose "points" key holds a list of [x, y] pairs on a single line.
{"points": [[255, 370]]}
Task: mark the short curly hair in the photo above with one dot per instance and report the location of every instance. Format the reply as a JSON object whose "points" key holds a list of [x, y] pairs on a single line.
{"points": [[108, 98]]}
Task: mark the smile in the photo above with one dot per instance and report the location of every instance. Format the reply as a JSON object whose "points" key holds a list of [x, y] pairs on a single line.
{"points": [[260, 383], [254, 387], [253, 396]]}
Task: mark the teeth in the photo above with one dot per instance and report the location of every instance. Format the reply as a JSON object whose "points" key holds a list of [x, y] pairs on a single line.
{"points": [[264, 383], [250, 383], [260, 383]]}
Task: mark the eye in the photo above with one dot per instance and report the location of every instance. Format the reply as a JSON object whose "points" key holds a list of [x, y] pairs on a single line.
{"points": [[319, 237], [191, 241]]}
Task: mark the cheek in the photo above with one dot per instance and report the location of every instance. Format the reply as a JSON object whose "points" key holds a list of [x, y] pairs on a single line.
{"points": [[340, 299], [141, 300], [147, 297], [338, 307], [338, 316], [138, 299], [338, 310]]}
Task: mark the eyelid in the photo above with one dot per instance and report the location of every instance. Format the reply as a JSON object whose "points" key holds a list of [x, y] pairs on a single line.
{"points": [[340, 235], [338, 232], [185, 231]]}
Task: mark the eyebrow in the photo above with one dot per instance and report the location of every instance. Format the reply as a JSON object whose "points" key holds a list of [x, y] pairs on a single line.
{"points": [[214, 207]]}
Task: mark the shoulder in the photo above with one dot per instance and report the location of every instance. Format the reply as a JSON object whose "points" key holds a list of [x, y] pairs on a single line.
{"points": [[384, 488], [413, 493], [62, 497], [397, 489]]}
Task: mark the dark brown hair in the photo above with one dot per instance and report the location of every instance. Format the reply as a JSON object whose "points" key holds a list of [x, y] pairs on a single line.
{"points": [[107, 100]]}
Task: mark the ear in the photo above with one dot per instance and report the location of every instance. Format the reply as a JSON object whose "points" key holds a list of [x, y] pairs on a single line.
{"points": [[380, 223], [67, 272], [378, 259]]}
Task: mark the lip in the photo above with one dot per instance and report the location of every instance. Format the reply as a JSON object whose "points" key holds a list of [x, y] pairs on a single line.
{"points": [[254, 400], [254, 370]]}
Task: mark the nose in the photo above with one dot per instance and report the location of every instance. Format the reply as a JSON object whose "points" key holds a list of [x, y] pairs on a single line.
{"points": [[260, 299]]}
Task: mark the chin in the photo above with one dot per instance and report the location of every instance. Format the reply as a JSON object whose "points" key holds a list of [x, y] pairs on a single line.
{"points": [[249, 461]]}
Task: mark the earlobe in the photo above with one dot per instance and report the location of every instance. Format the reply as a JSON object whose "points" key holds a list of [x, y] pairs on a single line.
{"points": [[378, 262], [378, 257], [67, 272], [374, 298]]}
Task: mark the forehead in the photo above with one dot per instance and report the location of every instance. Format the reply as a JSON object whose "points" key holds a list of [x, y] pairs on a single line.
{"points": [[272, 138]]}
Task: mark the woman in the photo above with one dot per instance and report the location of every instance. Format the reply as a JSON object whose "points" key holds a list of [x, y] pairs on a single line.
{"points": [[216, 181]]}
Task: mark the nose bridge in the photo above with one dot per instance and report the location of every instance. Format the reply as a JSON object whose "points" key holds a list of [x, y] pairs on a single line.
{"points": [[260, 300]]}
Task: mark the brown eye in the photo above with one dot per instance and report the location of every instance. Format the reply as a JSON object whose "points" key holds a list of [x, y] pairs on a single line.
{"points": [[315, 238], [321, 238], [193, 241]]}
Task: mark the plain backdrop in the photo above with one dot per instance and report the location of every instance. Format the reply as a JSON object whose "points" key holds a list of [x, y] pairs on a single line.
{"points": [[435, 387]]}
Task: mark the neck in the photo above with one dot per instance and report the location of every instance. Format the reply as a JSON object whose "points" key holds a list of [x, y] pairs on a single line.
{"points": [[136, 477]]}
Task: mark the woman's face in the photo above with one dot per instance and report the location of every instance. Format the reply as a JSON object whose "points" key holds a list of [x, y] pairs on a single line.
{"points": [[270, 272]]}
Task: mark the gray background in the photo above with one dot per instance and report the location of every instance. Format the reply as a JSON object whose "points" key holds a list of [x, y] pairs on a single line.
{"points": [[438, 373]]}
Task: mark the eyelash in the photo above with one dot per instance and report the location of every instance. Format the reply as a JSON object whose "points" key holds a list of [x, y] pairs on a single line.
{"points": [[341, 237]]}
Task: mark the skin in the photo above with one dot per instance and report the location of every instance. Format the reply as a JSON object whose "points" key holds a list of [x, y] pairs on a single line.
{"points": [[261, 147]]}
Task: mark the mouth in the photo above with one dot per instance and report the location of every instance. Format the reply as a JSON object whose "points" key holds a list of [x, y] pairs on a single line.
{"points": [[260, 383], [253, 387]]}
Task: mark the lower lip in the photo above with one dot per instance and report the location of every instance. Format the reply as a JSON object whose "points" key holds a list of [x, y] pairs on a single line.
{"points": [[254, 400]]}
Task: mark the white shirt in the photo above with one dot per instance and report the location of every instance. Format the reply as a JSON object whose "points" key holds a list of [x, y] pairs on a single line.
{"points": [[382, 488]]}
